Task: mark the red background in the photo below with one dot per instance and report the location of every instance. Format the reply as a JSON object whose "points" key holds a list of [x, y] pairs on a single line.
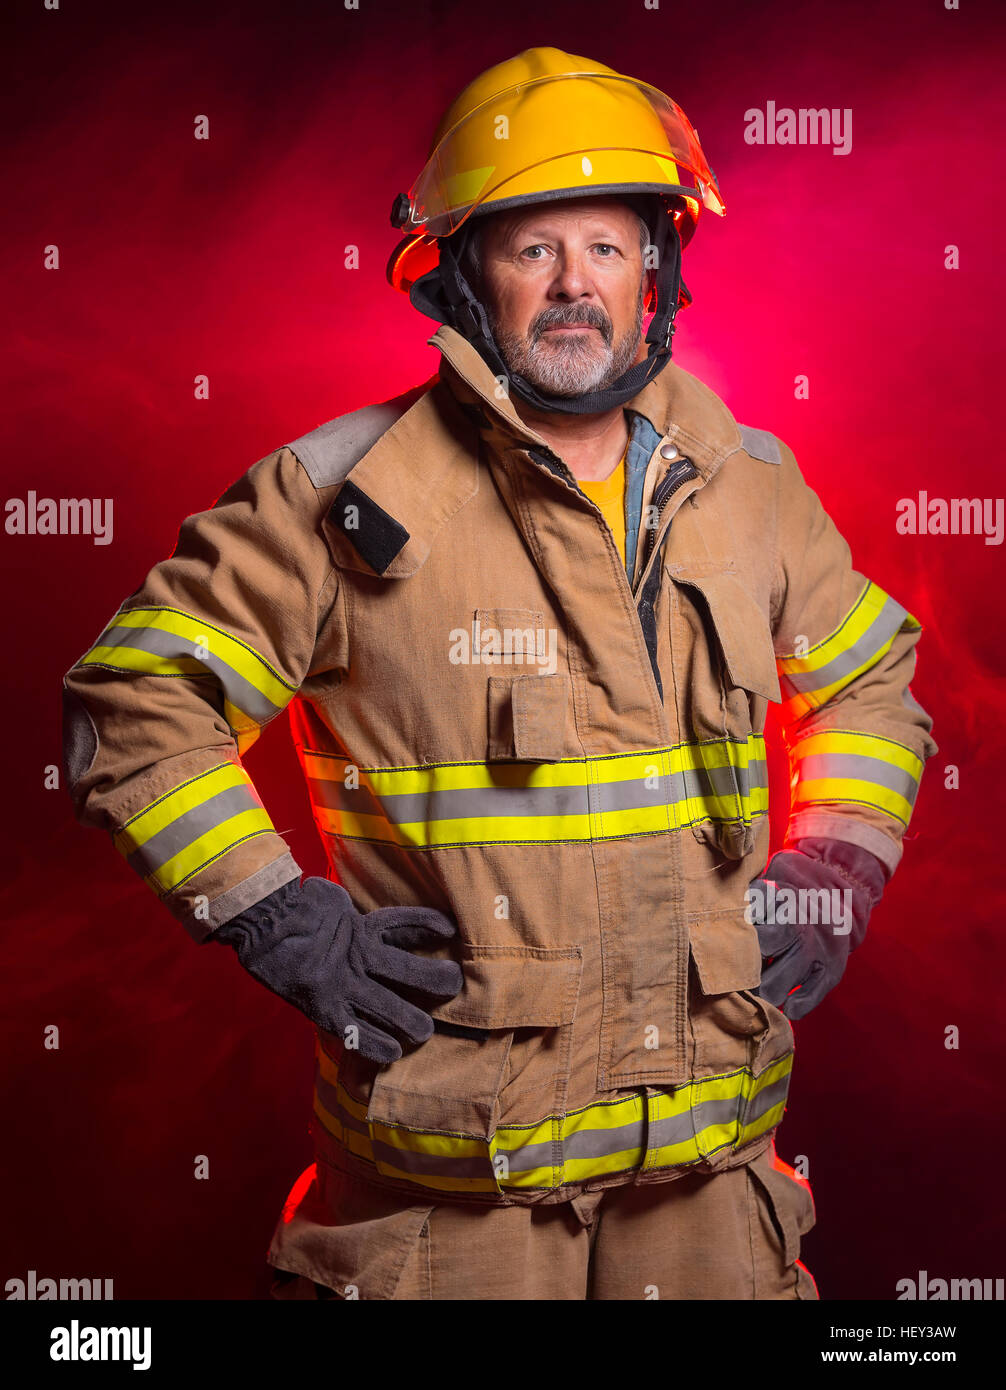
{"points": [[225, 256]]}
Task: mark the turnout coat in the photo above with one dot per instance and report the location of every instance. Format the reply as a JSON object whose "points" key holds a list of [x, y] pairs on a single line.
{"points": [[495, 721]]}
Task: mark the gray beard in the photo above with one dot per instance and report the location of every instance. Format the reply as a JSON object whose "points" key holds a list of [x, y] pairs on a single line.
{"points": [[576, 367]]}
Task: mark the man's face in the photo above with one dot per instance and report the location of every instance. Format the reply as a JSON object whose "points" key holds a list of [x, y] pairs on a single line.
{"points": [[547, 267]]}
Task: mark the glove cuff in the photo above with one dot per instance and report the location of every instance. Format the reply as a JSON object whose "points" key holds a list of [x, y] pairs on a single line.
{"points": [[863, 870], [262, 917]]}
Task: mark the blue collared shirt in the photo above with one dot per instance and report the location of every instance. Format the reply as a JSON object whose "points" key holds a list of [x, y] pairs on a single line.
{"points": [[643, 439]]}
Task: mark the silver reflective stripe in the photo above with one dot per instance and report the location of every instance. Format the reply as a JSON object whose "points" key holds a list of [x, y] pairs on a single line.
{"points": [[411, 1161], [860, 769], [190, 825], [408, 1160], [764, 1100], [678, 1129], [581, 1144], [409, 808], [880, 631], [160, 642]]}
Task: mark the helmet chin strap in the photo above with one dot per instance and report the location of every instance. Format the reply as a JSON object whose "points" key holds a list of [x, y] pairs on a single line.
{"points": [[444, 294]]}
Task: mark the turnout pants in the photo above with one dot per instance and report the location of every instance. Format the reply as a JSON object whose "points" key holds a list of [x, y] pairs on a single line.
{"points": [[729, 1235]]}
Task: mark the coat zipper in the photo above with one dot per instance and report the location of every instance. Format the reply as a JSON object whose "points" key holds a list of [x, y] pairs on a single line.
{"points": [[680, 472], [677, 475]]}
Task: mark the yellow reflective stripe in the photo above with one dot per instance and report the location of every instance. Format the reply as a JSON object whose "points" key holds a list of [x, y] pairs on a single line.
{"points": [[764, 1122], [754, 1086], [568, 772], [847, 789], [604, 1115], [507, 1142], [167, 808], [241, 657], [583, 1169], [148, 663], [330, 1071], [683, 778], [444, 1145], [354, 827], [244, 826], [161, 641], [537, 829], [807, 700], [842, 765], [860, 617], [470, 830], [473, 829], [468, 776], [814, 677], [868, 745], [394, 781], [361, 1147], [191, 825], [711, 1136]]}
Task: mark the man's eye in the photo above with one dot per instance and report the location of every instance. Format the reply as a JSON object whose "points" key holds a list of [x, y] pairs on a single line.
{"points": [[539, 246]]}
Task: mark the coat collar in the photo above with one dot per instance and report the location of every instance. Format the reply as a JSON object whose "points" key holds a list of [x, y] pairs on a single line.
{"points": [[426, 465], [681, 408]]}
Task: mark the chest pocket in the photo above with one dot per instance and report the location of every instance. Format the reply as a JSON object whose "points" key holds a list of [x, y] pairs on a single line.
{"points": [[529, 708], [724, 670]]}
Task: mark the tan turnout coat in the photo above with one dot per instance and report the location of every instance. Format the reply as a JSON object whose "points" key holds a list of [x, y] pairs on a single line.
{"points": [[494, 722]]}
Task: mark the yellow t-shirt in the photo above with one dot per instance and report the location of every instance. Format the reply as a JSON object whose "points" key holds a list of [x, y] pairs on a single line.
{"points": [[609, 496]]}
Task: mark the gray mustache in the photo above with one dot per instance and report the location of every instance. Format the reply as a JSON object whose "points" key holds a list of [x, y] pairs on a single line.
{"points": [[591, 318]]}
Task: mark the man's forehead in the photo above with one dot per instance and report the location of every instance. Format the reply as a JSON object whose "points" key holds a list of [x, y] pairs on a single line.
{"points": [[553, 216]]}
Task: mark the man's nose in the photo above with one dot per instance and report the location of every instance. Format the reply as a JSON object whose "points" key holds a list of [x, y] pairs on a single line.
{"points": [[572, 278]]}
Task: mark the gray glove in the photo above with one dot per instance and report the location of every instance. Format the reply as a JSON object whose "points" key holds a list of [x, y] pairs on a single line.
{"points": [[308, 943], [807, 959]]}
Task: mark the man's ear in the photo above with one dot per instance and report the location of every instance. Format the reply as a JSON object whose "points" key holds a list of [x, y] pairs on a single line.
{"points": [[649, 281]]}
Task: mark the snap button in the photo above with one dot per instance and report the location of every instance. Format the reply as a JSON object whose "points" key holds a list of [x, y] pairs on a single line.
{"points": [[668, 451]]}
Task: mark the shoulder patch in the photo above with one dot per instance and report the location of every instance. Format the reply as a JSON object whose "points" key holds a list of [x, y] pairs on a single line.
{"points": [[331, 451], [760, 444], [379, 539]]}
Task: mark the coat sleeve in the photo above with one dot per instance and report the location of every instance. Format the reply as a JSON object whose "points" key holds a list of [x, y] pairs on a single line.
{"points": [[857, 738], [211, 647]]}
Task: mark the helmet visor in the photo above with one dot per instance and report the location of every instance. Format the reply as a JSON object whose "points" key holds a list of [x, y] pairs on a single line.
{"points": [[578, 131]]}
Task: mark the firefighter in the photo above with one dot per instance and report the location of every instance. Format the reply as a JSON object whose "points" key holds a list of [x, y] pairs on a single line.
{"points": [[526, 619]]}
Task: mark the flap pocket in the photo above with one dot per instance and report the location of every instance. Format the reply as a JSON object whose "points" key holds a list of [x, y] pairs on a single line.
{"points": [[791, 1202], [354, 1237], [515, 987], [527, 717], [741, 625], [452, 1083], [725, 951]]}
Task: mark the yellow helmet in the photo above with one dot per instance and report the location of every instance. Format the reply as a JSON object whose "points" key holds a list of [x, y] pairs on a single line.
{"points": [[546, 125]]}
